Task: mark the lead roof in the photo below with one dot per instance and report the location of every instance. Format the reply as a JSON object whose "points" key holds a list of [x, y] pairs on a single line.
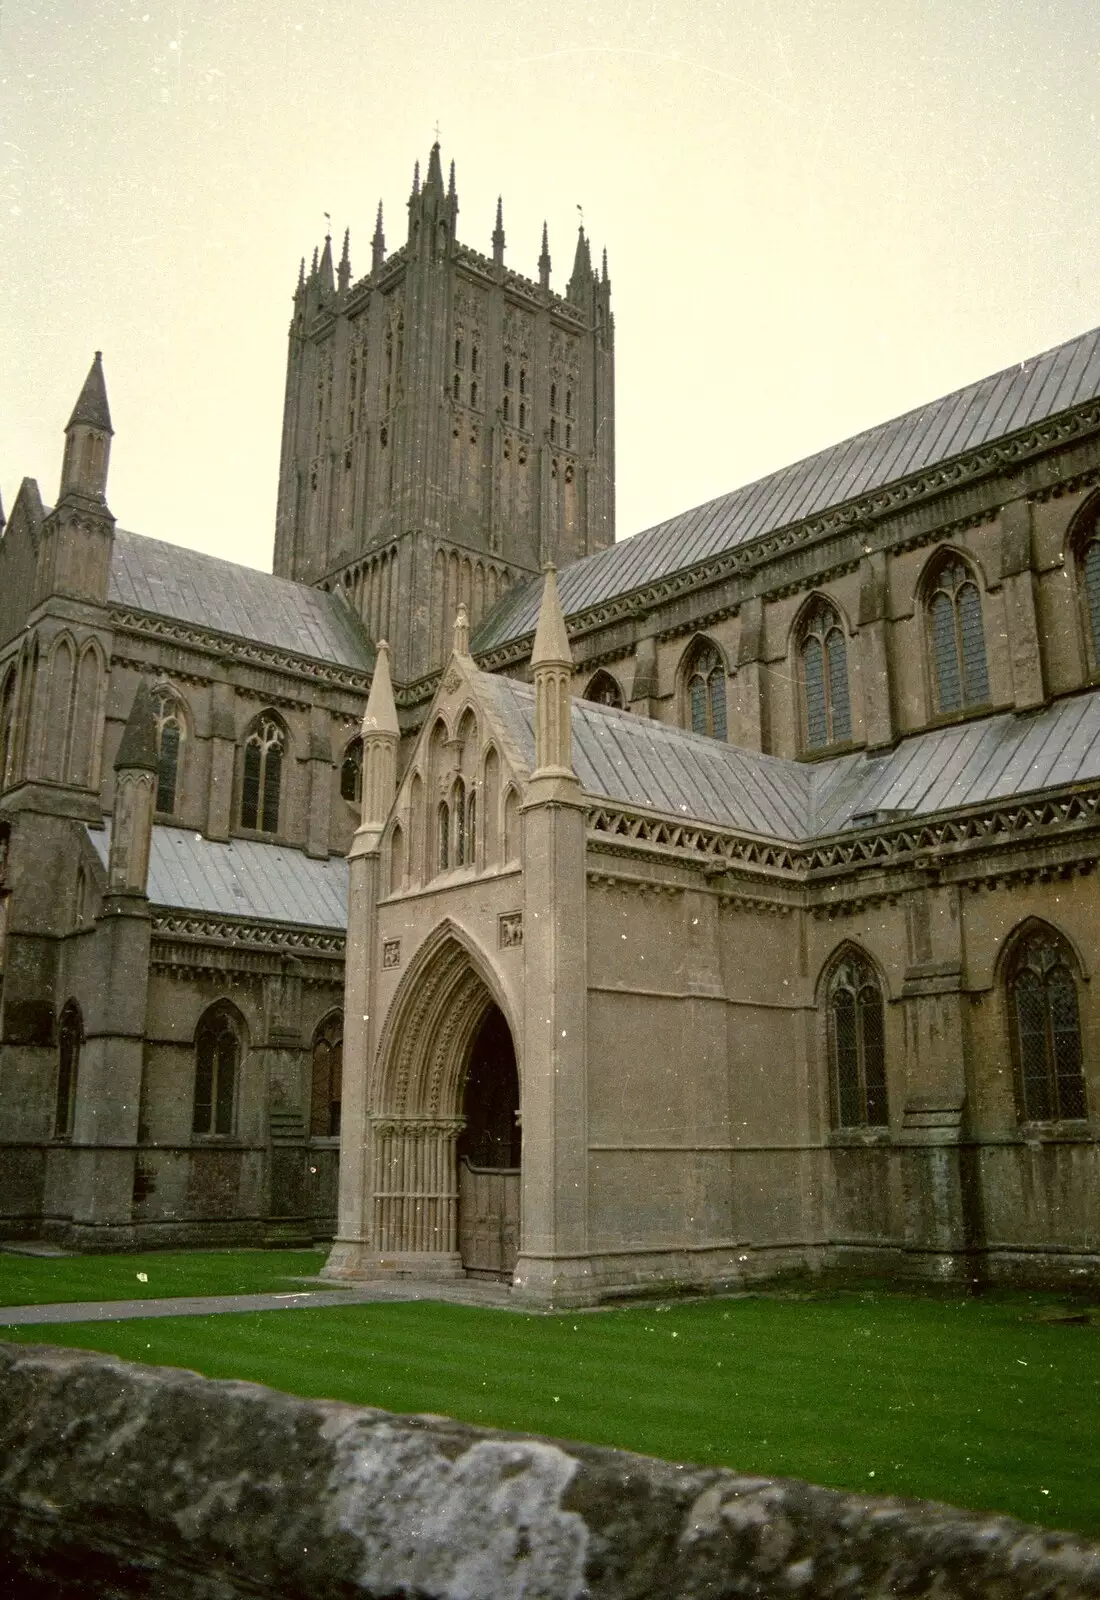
{"points": [[189, 586], [242, 878], [632, 761], [993, 408]]}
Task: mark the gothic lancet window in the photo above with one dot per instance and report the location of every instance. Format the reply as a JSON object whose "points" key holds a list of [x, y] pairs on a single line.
{"points": [[217, 1064], [70, 1037], [706, 692], [957, 639], [458, 813], [328, 1053], [444, 825], [857, 1045], [169, 722], [351, 773], [827, 711], [1046, 1029], [264, 749]]}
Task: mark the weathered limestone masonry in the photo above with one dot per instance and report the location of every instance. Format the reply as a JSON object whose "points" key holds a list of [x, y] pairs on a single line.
{"points": [[448, 428], [124, 1480]]}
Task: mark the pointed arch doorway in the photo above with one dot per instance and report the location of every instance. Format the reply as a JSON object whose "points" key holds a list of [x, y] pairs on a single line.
{"points": [[445, 1129], [488, 1152]]}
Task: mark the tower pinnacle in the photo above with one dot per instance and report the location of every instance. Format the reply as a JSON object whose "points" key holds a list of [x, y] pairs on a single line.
{"points": [[544, 260], [378, 243], [343, 274], [498, 234]]}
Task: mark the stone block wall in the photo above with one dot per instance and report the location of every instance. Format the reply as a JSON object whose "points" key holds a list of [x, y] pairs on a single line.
{"points": [[118, 1479]]}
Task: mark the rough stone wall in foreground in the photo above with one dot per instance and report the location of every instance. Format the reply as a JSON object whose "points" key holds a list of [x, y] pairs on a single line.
{"points": [[118, 1480]]}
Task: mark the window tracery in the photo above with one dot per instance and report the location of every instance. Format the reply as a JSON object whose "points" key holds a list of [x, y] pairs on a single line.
{"points": [[169, 721], [351, 773], [957, 638], [823, 653], [603, 690], [217, 1065], [857, 1044], [706, 692], [264, 749], [1046, 1028]]}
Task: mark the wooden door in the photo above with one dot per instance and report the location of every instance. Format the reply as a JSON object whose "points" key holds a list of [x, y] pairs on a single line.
{"points": [[488, 1219]]}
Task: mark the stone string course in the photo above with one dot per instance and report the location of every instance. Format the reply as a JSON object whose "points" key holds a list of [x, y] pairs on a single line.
{"points": [[121, 1480]]}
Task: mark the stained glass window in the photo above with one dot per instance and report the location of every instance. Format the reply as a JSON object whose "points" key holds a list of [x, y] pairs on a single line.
{"points": [[217, 1059]]}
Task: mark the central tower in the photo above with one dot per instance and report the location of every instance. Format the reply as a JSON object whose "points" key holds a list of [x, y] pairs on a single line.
{"points": [[448, 427]]}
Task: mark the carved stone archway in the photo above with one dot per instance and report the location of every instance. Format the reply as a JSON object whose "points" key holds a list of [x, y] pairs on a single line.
{"points": [[445, 998]]}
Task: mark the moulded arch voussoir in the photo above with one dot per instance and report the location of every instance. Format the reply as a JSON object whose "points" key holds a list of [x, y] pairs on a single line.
{"points": [[446, 990]]}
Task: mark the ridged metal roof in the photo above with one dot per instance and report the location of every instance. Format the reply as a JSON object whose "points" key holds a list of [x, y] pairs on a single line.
{"points": [[633, 761], [991, 409], [189, 586], [240, 878]]}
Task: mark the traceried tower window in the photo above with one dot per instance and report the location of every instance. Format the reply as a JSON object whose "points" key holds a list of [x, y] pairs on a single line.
{"points": [[857, 1045], [957, 639], [1046, 1029], [706, 692], [264, 749], [169, 724], [827, 712]]}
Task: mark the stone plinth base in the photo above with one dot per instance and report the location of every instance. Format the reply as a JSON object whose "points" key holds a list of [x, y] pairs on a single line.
{"points": [[350, 1259]]}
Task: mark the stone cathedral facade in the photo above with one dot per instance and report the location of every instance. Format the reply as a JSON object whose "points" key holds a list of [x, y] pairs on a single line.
{"points": [[721, 905]]}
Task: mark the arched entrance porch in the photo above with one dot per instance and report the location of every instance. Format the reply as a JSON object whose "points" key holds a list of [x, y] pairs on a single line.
{"points": [[446, 1101], [489, 1154]]}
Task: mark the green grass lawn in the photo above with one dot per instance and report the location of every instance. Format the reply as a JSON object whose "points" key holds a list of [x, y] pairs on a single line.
{"points": [[50, 1280], [974, 1401]]}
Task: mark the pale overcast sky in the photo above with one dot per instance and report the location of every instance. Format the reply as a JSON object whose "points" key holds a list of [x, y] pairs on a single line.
{"points": [[818, 213]]}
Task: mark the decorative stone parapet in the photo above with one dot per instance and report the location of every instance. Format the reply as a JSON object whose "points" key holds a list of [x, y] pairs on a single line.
{"points": [[118, 1480]]}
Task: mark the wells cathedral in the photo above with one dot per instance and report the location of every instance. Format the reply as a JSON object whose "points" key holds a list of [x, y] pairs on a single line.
{"points": [[488, 897]]}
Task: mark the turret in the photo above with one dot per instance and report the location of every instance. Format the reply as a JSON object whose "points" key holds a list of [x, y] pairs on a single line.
{"points": [[88, 439], [381, 735], [378, 243], [498, 235], [325, 280], [579, 291], [552, 669], [136, 768], [544, 260]]}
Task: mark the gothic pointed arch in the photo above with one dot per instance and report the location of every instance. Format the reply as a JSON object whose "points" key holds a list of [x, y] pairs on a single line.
{"points": [[422, 1069], [703, 675], [951, 599], [821, 651], [327, 1059], [7, 724], [447, 987], [264, 757], [173, 724], [70, 1041], [221, 1039], [604, 690], [852, 997], [61, 674], [351, 771], [1042, 976]]}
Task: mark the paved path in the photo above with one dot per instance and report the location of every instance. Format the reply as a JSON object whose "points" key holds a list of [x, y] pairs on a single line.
{"points": [[463, 1292]]}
